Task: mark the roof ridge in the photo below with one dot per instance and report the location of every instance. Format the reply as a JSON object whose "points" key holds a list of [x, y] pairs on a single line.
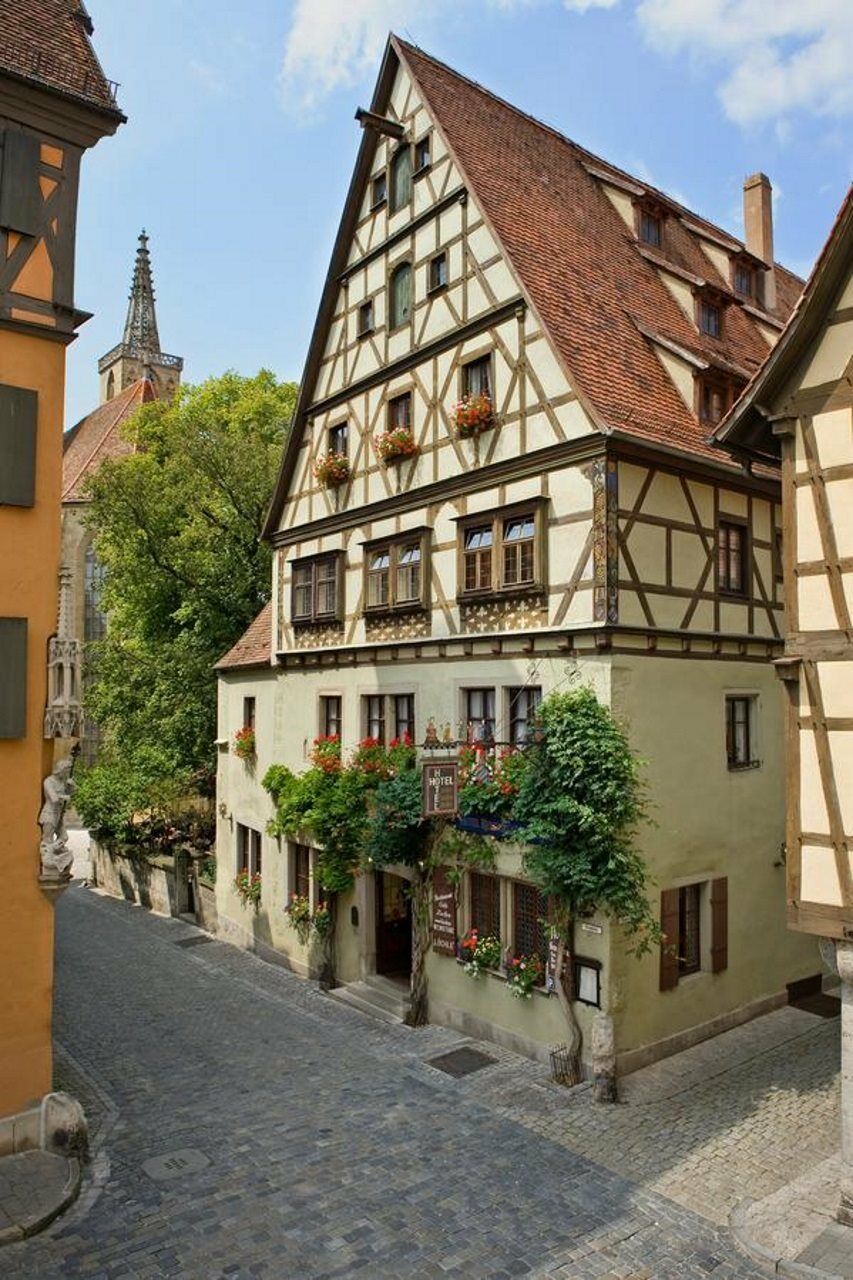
{"points": [[577, 147]]}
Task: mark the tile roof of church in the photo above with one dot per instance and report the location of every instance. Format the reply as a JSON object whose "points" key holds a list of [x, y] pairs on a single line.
{"points": [[47, 42], [254, 648], [99, 436], [593, 284]]}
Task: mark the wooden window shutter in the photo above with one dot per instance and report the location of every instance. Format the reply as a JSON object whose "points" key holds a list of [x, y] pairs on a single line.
{"points": [[20, 194], [18, 415], [13, 677], [669, 900], [719, 924]]}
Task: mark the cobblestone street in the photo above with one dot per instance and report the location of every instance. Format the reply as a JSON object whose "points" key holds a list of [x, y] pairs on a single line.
{"points": [[245, 1125]]}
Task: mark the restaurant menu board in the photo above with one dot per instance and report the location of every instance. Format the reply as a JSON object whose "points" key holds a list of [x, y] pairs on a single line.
{"points": [[443, 914]]}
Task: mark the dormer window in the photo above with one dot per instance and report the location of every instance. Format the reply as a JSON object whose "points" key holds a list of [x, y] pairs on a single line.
{"points": [[715, 395], [744, 279], [365, 318], [422, 155], [710, 318], [650, 228], [378, 191]]}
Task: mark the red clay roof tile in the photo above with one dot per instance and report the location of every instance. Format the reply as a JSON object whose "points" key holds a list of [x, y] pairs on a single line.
{"points": [[254, 648]]}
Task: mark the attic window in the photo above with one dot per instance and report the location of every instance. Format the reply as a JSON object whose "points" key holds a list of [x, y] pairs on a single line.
{"points": [[365, 318], [422, 155], [715, 396], [650, 228], [378, 191], [710, 319], [744, 280]]}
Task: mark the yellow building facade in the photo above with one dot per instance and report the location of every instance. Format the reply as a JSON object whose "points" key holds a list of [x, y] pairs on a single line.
{"points": [[54, 103]]}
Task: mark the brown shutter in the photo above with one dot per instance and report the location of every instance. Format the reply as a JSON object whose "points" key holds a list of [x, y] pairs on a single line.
{"points": [[669, 900], [719, 924]]}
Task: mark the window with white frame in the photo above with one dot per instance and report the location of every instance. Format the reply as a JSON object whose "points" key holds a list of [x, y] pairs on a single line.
{"points": [[522, 709], [479, 711]]}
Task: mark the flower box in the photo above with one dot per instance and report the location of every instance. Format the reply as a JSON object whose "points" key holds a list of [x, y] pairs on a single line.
{"points": [[331, 470], [249, 888], [244, 743], [523, 973], [473, 415], [396, 445]]}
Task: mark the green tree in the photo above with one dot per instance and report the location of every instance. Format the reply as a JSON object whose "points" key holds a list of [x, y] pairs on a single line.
{"points": [[177, 527], [579, 804]]}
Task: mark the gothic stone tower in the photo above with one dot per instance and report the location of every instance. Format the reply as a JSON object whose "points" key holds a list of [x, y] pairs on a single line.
{"points": [[138, 354]]}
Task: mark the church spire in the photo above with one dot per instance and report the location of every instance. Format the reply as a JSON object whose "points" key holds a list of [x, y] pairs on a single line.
{"points": [[140, 327], [138, 355]]}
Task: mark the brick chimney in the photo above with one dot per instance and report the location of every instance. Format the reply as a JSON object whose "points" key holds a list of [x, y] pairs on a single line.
{"points": [[758, 222]]}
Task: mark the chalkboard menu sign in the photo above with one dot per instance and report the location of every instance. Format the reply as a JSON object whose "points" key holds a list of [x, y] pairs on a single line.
{"points": [[443, 914], [440, 788]]}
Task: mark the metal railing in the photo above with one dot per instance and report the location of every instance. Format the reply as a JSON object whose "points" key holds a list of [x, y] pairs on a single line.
{"points": [[26, 60]]}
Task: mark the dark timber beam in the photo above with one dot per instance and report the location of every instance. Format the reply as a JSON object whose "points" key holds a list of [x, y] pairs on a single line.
{"points": [[380, 124]]}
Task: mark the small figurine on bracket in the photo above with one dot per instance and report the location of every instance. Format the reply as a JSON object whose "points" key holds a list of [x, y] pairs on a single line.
{"points": [[56, 858], [431, 739]]}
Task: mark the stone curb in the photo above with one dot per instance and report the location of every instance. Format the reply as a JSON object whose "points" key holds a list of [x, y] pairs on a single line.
{"points": [[768, 1258], [31, 1226]]}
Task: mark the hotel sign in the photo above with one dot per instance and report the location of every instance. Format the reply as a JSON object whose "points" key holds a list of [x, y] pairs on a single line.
{"points": [[441, 786]]}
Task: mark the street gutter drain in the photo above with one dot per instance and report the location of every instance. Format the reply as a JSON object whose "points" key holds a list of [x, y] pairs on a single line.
{"points": [[175, 1164], [461, 1062], [195, 941]]}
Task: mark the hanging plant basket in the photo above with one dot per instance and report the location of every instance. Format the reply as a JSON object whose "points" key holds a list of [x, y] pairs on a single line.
{"points": [[396, 445], [473, 415], [331, 470]]}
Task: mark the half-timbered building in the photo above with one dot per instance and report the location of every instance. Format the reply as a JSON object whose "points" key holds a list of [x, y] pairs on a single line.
{"points": [[798, 411], [499, 482]]}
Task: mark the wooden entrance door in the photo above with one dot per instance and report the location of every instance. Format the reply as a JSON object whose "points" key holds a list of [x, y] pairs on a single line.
{"points": [[393, 925]]}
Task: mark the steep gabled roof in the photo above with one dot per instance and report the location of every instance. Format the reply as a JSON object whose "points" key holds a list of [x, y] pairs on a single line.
{"points": [[254, 648], [746, 429], [595, 289], [99, 436], [47, 42]]}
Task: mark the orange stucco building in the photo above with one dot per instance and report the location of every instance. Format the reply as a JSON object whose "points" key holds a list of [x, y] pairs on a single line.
{"points": [[54, 103]]}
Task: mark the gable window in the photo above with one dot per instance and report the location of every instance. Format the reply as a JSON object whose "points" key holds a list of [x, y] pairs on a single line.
{"points": [[437, 272], [650, 228], [518, 539], [373, 705], [404, 716], [339, 438], [378, 191], [315, 591], [485, 904], [477, 377], [479, 706], [401, 179], [248, 713], [330, 715], [710, 319], [400, 412], [731, 557], [400, 308], [422, 156], [740, 712], [248, 849], [529, 930], [393, 574], [365, 318], [744, 280], [522, 709]]}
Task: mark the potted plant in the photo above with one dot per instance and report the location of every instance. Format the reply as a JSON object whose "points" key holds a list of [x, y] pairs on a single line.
{"points": [[481, 953], [396, 444], [473, 415], [522, 975], [248, 887], [244, 743], [331, 469], [326, 753], [298, 912]]}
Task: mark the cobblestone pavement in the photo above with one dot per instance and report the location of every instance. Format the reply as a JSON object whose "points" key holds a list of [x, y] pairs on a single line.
{"points": [[298, 1139]]}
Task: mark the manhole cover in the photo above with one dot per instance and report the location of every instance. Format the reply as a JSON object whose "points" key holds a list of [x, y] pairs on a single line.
{"points": [[175, 1164], [195, 941], [461, 1062]]}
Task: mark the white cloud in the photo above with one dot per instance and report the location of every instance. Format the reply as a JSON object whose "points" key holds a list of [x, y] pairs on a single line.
{"points": [[781, 56], [583, 6]]}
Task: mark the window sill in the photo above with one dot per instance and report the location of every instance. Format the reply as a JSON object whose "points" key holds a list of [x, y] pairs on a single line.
{"points": [[436, 288], [365, 333], [743, 768], [500, 976], [419, 173], [394, 610], [380, 204], [728, 593], [306, 624]]}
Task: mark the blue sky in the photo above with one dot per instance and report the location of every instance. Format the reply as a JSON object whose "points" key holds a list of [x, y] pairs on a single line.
{"points": [[241, 138]]}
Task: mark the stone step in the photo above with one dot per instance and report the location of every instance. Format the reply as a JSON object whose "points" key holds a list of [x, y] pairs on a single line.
{"points": [[391, 995], [357, 995]]}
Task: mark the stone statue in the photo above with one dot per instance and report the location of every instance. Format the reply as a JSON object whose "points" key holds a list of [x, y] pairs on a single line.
{"points": [[56, 859]]}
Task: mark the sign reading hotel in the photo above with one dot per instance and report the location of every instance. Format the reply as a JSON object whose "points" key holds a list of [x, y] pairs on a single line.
{"points": [[441, 784]]}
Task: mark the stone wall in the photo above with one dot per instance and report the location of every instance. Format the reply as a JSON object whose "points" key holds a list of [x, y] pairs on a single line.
{"points": [[153, 882]]}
